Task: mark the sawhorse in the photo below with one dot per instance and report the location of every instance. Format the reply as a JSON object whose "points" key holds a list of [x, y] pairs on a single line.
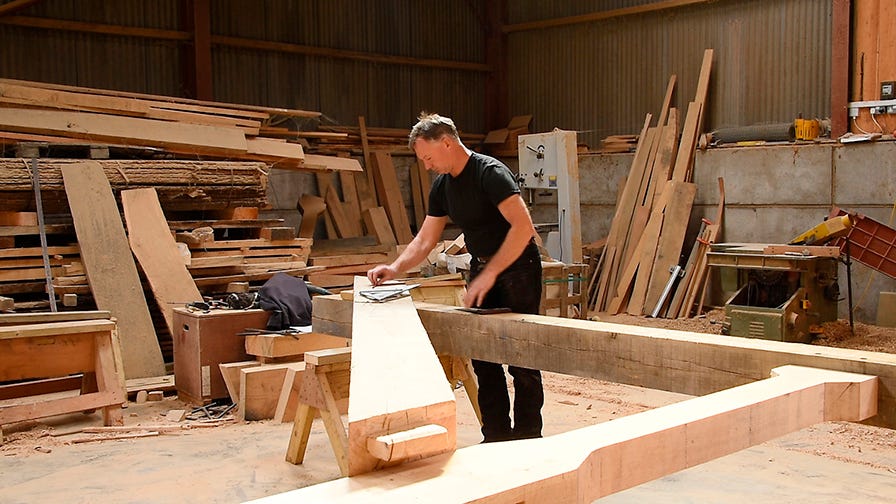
{"points": [[326, 380]]}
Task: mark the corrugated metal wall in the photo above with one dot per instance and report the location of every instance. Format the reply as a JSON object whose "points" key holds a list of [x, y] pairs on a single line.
{"points": [[772, 62], [388, 95], [772, 58], [104, 61]]}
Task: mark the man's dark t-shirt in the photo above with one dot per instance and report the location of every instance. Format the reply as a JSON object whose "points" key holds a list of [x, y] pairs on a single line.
{"points": [[471, 200]]}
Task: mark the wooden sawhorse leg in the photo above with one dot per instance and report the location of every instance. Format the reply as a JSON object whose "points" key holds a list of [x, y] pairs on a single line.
{"points": [[461, 369], [326, 380]]}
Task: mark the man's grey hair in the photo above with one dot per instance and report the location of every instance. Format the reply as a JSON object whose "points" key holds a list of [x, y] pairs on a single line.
{"points": [[432, 127]]}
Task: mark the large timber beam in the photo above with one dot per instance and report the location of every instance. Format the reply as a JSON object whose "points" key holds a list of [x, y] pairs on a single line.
{"points": [[401, 407], [663, 359], [592, 462]]}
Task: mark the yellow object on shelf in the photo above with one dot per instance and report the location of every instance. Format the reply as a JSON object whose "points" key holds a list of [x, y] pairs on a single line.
{"points": [[806, 129]]}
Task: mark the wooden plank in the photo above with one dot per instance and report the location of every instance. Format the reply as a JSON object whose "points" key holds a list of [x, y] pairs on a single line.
{"points": [[686, 148], [392, 199], [352, 205], [65, 100], [177, 137], [586, 464], [675, 224], [279, 345], [311, 207], [155, 249], [622, 217], [324, 181], [110, 266], [331, 163], [417, 197], [676, 361], [230, 371], [345, 227], [377, 223], [388, 399]]}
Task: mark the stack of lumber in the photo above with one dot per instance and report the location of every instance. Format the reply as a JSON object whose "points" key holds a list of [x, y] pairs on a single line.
{"points": [[181, 185], [369, 217], [354, 140], [653, 211], [618, 143], [57, 114]]}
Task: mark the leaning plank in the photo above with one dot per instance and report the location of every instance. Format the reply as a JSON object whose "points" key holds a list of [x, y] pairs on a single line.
{"points": [[391, 197], [589, 463], [665, 359], [110, 267], [397, 384], [671, 239], [155, 248], [177, 137]]}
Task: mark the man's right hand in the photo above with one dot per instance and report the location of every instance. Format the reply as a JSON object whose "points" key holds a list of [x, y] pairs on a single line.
{"points": [[381, 273]]}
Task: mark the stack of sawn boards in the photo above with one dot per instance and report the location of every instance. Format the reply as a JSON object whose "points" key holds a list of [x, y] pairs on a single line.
{"points": [[652, 216]]}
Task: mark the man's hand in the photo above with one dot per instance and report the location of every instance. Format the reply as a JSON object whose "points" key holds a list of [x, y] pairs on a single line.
{"points": [[381, 273], [478, 289]]}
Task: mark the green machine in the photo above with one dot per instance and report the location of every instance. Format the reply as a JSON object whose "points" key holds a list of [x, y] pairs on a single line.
{"points": [[782, 293]]}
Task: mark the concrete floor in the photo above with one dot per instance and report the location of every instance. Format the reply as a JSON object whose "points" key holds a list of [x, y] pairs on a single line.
{"points": [[828, 463]]}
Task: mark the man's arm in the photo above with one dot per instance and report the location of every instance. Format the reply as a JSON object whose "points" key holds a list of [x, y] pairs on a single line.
{"points": [[514, 210], [430, 233]]}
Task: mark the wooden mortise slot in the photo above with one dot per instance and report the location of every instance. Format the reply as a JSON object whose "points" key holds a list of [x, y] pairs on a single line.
{"points": [[400, 445]]}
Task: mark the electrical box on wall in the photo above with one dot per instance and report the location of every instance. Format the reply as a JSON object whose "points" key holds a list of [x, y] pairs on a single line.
{"points": [[887, 90]]}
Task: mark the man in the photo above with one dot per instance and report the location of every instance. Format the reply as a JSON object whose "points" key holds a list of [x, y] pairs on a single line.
{"points": [[480, 194]]}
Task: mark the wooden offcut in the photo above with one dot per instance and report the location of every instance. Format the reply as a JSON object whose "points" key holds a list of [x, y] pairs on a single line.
{"points": [[110, 267]]}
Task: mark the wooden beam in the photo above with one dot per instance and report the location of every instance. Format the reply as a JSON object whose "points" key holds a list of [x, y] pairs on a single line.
{"points": [[586, 464], [178, 137], [600, 16], [840, 66], [387, 399], [198, 19], [15, 5], [665, 359]]}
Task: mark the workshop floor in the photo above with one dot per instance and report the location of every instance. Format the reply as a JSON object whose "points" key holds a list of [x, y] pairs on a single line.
{"points": [[827, 463]]}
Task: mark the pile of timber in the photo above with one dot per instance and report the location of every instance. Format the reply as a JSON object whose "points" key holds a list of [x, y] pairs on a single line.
{"points": [[355, 140], [181, 185], [618, 143], [57, 114], [652, 216]]}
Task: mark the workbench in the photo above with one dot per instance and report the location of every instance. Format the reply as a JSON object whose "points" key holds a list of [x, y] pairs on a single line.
{"points": [[42, 361]]}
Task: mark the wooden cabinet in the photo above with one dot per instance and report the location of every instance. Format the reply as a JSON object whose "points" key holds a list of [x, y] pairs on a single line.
{"points": [[204, 340]]}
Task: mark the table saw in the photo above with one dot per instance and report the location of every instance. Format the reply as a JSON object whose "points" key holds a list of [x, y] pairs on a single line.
{"points": [[782, 293]]}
